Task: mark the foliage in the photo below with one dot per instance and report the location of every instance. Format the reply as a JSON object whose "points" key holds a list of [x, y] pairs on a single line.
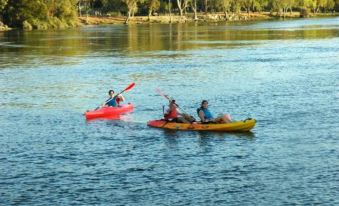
{"points": [[40, 14], [2, 4], [153, 5]]}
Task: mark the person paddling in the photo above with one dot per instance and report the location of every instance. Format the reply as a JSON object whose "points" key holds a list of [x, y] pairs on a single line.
{"points": [[172, 112], [113, 100], [173, 115], [206, 116]]}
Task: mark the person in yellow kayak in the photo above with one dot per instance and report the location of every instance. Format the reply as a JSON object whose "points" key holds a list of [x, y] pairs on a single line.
{"points": [[113, 100], [206, 116], [173, 115]]}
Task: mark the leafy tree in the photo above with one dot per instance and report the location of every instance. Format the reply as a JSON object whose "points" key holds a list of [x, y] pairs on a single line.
{"points": [[153, 5], [282, 6], [132, 8], [236, 6], [194, 8], [181, 6], [2, 4], [40, 14], [259, 5], [246, 4], [223, 5]]}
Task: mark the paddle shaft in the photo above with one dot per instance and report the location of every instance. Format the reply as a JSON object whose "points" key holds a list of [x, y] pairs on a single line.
{"points": [[168, 98], [126, 89]]}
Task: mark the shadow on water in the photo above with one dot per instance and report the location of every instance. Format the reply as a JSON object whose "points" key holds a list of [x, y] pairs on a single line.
{"points": [[244, 135], [173, 134]]}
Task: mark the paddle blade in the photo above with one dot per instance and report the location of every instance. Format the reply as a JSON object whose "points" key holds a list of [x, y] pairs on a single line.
{"points": [[129, 86], [157, 90]]}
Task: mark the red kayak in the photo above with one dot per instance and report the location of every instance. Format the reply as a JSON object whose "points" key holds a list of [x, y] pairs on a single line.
{"points": [[108, 112]]}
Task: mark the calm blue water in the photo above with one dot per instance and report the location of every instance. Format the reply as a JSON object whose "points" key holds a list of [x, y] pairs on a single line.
{"points": [[285, 74]]}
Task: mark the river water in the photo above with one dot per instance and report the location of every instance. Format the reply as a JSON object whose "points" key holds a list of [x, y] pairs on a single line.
{"points": [[283, 73]]}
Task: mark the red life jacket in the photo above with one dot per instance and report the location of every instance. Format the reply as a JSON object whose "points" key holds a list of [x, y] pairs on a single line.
{"points": [[118, 100], [172, 114]]}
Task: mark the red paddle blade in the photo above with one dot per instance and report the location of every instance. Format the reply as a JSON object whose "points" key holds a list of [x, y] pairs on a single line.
{"points": [[129, 87]]}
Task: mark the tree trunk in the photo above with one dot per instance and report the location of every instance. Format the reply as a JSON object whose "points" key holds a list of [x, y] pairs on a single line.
{"points": [[205, 6], [194, 8], [179, 7], [185, 7], [128, 16], [79, 8], [284, 12], [225, 13], [149, 14], [169, 9]]}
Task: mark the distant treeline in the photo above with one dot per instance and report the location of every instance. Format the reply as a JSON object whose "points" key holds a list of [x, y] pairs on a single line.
{"points": [[39, 14], [43, 14]]}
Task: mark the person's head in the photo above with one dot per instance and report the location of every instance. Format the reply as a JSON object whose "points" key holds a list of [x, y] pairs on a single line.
{"points": [[204, 104], [172, 103], [111, 92]]}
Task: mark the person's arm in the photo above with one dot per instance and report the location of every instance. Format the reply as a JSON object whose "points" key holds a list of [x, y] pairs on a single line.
{"points": [[105, 103], [122, 98], [202, 116]]}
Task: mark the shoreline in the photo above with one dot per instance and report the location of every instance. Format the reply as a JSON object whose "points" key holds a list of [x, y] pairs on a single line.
{"points": [[188, 18], [209, 18]]}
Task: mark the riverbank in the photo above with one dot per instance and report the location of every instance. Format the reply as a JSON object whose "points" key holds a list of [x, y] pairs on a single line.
{"points": [[201, 17]]}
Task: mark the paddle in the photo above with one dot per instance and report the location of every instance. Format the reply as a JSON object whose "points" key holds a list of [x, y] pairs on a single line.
{"points": [[157, 90], [125, 90], [130, 86]]}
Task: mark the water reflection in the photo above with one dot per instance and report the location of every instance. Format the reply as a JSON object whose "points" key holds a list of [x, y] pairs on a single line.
{"points": [[58, 47], [208, 134], [244, 135]]}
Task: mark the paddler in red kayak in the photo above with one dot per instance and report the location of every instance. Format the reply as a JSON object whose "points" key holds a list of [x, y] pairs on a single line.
{"points": [[113, 101], [206, 116]]}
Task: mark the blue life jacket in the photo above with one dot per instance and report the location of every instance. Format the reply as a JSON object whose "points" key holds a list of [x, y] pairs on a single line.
{"points": [[112, 102], [207, 113]]}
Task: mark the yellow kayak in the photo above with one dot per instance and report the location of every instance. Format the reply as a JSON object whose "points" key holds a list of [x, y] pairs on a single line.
{"points": [[238, 126]]}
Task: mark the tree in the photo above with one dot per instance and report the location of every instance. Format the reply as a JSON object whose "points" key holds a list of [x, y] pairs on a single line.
{"points": [[206, 5], [194, 8], [330, 5], [247, 4], [40, 14], [236, 6], [224, 5], [180, 4], [282, 6], [132, 7], [2, 5], [152, 6], [259, 5]]}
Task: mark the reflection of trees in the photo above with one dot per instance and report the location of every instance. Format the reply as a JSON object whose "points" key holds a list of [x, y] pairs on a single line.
{"points": [[189, 36], [38, 47], [55, 47]]}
